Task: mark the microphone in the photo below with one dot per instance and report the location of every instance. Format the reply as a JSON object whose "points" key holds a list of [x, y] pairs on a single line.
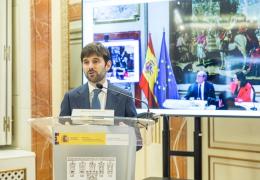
{"points": [[253, 100], [253, 108], [147, 114]]}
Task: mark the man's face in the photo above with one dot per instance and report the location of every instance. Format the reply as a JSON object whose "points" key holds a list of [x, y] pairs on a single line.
{"points": [[200, 78], [95, 68]]}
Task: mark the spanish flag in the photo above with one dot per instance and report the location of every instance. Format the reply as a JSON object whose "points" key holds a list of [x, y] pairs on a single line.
{"points": [[149, 74]]}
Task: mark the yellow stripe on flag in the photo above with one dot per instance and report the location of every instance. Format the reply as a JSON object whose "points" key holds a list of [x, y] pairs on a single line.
{"points": [[149, 74], [150, 70]]}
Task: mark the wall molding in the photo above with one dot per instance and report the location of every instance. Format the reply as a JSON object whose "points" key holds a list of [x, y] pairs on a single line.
{"points": [[234, 134]]}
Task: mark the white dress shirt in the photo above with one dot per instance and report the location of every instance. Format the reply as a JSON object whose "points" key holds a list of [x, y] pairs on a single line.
{"points": [[102, 96]]}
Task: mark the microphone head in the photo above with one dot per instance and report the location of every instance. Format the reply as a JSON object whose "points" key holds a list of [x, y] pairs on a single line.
{"points": [[99, 86], [253, 108]]}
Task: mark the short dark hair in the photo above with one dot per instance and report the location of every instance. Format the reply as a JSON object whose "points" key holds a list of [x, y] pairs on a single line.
{"points": [[95, 48]]}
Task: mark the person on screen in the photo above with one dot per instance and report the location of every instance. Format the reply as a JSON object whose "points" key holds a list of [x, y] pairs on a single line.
{"points": [[242, 90], [201, 41], [201, 89], [95, 59], [227, 102]]}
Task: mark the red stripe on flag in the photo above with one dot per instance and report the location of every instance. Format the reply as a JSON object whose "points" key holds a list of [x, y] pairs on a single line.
{"points": [[144, 85], [150, 67], [150, 44]]}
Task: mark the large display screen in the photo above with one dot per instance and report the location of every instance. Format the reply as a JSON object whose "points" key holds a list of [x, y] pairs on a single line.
{"points": [[219, 38]]}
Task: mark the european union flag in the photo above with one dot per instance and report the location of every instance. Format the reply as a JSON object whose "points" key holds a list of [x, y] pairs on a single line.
{"points": [[165, 86]]}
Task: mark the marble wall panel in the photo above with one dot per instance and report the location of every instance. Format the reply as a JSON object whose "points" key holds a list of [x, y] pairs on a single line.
{"points": [[41, 58], [41, 82]]}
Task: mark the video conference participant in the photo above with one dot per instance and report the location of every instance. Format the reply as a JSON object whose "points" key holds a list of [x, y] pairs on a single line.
{"points": [[96, 62], [227, 102], [241, 88], [201, 89]]}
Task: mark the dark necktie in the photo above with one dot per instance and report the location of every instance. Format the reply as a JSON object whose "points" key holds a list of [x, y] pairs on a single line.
{"points": [[95, 104], [199, 92]]}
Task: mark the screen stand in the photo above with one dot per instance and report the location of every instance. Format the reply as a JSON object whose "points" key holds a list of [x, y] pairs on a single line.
{"points": [[196, 153]]}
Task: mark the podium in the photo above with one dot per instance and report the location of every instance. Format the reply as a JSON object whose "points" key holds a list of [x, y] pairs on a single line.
{"points": [[100, 148]]}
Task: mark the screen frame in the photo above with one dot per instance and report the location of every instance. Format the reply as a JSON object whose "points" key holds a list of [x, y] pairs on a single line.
{"points": [[181, 87]]}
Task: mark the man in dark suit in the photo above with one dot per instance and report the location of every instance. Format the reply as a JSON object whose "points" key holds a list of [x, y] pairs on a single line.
{"points": [[79, 99], [96, 62], [202, 89]]}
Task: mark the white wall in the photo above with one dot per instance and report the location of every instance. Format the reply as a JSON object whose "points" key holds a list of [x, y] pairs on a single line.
{"points": [[158, 21], [22, 73]]}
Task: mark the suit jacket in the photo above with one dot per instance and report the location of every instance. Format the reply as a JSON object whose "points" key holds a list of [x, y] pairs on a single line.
{"points": [[209, 91], [79, 99], [123, 106]]}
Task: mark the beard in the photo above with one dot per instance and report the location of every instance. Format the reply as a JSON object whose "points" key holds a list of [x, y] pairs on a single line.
{"points": [[94, 76]]}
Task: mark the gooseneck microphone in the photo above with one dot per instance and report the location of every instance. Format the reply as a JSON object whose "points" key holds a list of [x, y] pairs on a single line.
{"points": [[147, 114], [253, 108]]}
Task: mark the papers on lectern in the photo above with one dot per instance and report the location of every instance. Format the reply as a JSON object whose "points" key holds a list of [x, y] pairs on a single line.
{"points": [[92, 116]]}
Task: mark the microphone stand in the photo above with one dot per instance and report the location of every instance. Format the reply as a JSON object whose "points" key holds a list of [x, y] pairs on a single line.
{"points": [[147, 115]]}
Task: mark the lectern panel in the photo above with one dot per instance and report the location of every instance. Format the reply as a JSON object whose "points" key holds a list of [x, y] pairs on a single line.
{"points": [[100, 152]]}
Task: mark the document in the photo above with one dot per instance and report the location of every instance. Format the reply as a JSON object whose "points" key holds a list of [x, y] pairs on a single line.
{"points": [[93, 116]]}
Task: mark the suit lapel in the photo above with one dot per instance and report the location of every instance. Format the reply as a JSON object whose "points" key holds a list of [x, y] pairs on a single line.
{"points": [[82, 99], [197, 90], [112, 98]]}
